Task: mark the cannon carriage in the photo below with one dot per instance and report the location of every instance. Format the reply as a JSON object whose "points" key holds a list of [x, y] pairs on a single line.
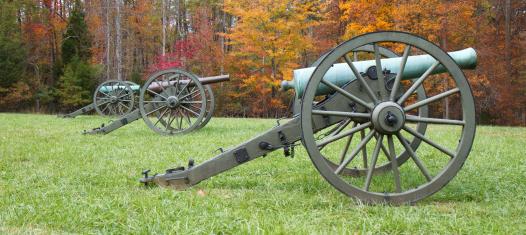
{"points": [[400, 157], [171, 102]]}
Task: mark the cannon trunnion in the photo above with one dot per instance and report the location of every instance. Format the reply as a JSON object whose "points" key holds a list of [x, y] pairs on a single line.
{"points": [[374, 142]]}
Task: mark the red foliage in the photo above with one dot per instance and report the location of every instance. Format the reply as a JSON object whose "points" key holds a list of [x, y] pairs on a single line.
{"points": [[183, 50]]}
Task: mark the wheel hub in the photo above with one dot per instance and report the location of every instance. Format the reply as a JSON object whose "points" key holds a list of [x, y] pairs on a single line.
{"points": [[388, 118], [173, 102], [113, 99]]}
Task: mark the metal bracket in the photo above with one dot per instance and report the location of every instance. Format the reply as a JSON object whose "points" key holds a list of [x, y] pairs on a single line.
{"points": [[124, 121], [288, 149], [221, 150], [241, 155]]}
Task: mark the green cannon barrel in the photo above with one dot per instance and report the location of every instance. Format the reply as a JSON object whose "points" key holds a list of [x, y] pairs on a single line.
{"points": [[340, 74], [133, 86], [156, 87]]}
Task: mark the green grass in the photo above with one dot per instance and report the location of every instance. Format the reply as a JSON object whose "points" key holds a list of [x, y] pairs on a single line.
{"points": [[55, 180]]}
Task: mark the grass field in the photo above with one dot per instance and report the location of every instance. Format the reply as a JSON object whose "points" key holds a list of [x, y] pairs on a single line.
{"points": [[55, 180]]}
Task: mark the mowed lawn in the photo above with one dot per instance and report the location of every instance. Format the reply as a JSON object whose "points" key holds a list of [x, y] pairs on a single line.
{"points": [[53, 179]]}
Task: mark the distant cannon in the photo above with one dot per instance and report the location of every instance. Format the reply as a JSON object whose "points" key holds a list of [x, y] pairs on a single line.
{"points": [[171, 102], [379, 99], [111, 98]]}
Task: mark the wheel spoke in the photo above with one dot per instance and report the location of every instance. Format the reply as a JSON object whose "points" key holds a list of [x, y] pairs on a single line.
{"points": [[184, 88], [355, 152], [172, 119], [342, 114], [191, 102], [155, 101], [347, 94], [384, 149], [103, 103], [196, 107], [394, 164], [155, 110], [122, 105], [161, 116], [417, 83], [120, 97], [427, 140], [119, 109], [412, 118], [104, 93], [398, 78], [161, 85], [189, 110], [361, 79], [341, 127], [187, 119], [105, 108], [119, 91], [431, 99], [157, 94], [111, 109], [337, 130], [344, 134], [181, 119], [347, 144], [417, 161], [376, 152], [189, 94], [379, 71], [176, 84], [364, 150]]}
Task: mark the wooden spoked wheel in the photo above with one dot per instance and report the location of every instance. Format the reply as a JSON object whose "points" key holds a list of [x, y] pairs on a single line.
{"points": [[389, 121], [350, 122], [173, 102], [114, 98]]}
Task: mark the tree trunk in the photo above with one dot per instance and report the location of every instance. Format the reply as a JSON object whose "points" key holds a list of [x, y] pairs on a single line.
{"points": [[163, 12], [222, 39], [446, 82], [118, 44], [507, 16], [108, 40]]}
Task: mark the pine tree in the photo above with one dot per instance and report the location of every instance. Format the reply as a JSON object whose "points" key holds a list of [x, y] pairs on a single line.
{"points": [[77, 83], [77, 40], [79, 80]]}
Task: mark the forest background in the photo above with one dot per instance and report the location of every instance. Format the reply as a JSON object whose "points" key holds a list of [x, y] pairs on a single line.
{"points": [[53, 53]]}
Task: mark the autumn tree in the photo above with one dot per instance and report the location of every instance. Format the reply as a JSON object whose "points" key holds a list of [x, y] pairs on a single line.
{"points": [[268, 41]]}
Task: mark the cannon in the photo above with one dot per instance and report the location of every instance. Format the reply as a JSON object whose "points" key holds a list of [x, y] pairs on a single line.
{"points": [[111, 98], [171, 102], [404, 155]]}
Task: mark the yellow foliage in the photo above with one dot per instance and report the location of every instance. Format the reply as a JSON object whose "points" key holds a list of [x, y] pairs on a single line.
{"points": [[268, 42]]}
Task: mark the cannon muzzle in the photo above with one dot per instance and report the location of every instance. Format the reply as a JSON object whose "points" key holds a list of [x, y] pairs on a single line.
{"points": [[340, 74]]}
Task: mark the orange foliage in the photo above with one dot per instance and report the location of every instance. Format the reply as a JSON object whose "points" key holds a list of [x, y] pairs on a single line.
{"points": [[268, 41]]}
